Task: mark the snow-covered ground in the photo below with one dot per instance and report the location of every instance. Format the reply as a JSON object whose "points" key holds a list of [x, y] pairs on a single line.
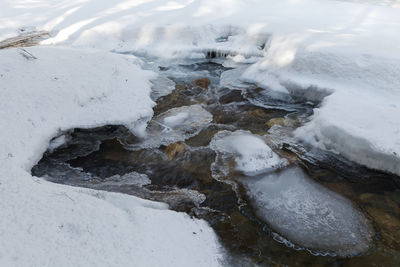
{"points": [[44, 91], [348, 50]]}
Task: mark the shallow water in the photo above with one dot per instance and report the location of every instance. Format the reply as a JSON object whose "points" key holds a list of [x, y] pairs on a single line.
{"points": [[175, 164]]}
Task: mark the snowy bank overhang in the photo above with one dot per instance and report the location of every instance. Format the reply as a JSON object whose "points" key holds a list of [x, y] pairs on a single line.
{"points": [[89, 82], [45, 90]]}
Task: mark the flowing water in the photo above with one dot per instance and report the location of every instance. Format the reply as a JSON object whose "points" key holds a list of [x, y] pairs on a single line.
{"points": [[222, 150]]}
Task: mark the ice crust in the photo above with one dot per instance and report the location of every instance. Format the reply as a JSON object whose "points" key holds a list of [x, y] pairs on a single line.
{"points": [[176, 124], [308, 214], [249, 151]]}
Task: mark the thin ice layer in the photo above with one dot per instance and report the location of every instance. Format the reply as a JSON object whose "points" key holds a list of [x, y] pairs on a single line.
{"points": [[176, 124], [249, 151], [308, 214]]}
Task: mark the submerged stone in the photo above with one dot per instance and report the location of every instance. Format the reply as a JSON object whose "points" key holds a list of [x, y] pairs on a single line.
{"points": [[173, 149], [203, 82], [276, 121]]}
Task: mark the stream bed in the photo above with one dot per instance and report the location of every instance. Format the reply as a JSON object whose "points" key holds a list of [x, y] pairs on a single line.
{"points": [[222, 150]]}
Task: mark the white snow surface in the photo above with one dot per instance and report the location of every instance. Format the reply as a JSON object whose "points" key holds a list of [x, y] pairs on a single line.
{"points": [[250, 152], [46, 224], [349, 49]]}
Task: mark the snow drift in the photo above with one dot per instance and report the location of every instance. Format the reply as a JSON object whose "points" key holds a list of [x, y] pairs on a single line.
{"points": [[44, 91]]}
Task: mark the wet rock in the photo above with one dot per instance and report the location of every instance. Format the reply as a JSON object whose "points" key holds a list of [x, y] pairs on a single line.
{"points": [[203, 138], [232, 96], [341, 188], [202, 82], [274, 121], [256, 113], [243, 227], [389, 225], [173, 149]]}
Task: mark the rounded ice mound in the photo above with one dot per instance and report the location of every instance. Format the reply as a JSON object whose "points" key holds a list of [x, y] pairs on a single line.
{"points": [[176, 124], [252, 156], [308, 214]]}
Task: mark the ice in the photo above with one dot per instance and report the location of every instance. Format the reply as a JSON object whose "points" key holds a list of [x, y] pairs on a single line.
{"points": [[231, 78], [57, 142], [249, 151], [175, 120], [308, 214], [176, 124], [131, 178], [161, 86]]}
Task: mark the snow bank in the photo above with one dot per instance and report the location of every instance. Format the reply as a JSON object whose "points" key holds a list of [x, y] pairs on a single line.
{"points": [[44, 91]]}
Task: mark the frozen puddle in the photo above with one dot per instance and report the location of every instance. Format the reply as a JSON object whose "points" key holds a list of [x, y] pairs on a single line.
{"points": [[250, 153], [307, 213]]}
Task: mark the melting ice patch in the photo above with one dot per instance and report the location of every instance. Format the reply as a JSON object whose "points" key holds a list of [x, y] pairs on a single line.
{"points": [[309, 214], [176, 124], [252, 156], [131, 178]]}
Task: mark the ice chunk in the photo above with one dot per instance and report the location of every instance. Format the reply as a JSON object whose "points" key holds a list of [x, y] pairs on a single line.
{"points": [[176, 124], [175, 120], [231, 78], [161, 86], [249, 151], [309, 214]]}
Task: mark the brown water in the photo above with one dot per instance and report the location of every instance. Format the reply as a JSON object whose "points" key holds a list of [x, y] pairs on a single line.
{"points": [[180, 173]]}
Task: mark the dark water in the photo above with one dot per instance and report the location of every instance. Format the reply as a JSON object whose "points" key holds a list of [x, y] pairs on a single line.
{"points": [[180, 173]]}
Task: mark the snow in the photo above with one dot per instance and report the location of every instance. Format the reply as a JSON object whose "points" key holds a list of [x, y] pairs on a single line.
{"points": [[57, 142], [251, 154], [309, 214], [348, 49], [45, 224], [344, 54]]}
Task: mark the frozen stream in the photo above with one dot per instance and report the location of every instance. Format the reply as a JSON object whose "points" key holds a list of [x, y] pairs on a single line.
{"points": [[222, 150]]}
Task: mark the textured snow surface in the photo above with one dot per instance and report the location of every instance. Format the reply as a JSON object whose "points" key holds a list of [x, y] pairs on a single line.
{"points": [[46, 224], [308, 214], [349, 49], [250, 152]]}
